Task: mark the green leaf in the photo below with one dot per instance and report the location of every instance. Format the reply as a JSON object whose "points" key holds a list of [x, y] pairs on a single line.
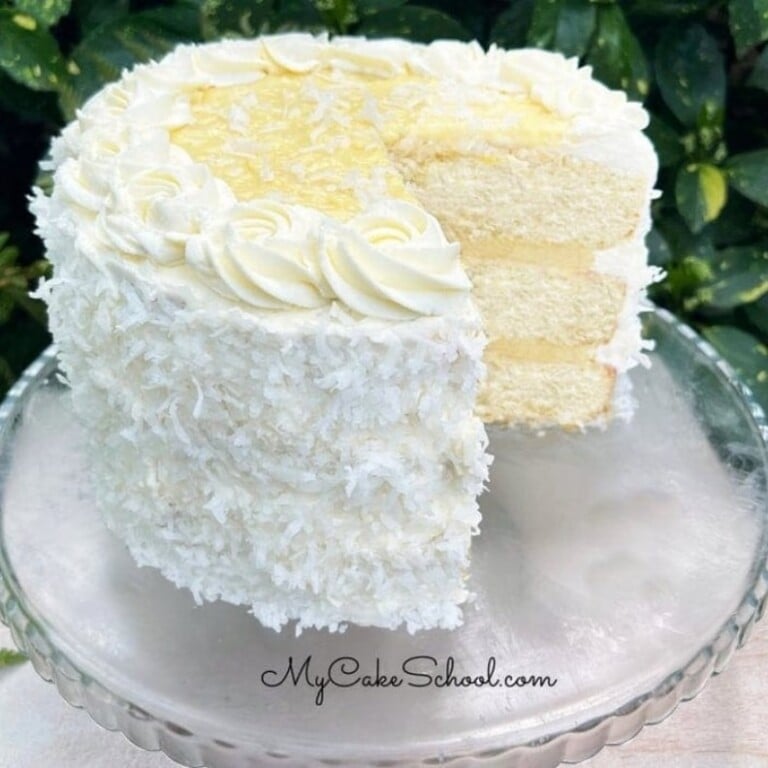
{"points": [[473, 17], [93, 13], [19, 298], [615, 54], [575, 26], [670, 8], [107, 50], [7, 305], [659, 252], [7, 377], [740, 276], [244, 17], [21, 341], [690, 72], [758, 78], [367, 7], [693, 256], [9, 658], [544, 23], [297, 14], [562, 25], [16, 281], [47, 12], [338, 15], [414, 23], [757, 313], [511, 27], [701, 191], [28, 52], [684, 277], [8, 253], [666, 141], [745, 353], [179, 19], [749, 23], [31, 106], [708, 140], [748, 173], [736, 223]]}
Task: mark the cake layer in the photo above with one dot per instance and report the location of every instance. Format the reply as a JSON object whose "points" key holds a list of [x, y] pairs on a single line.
{"points": [[560, 306], [530, 195], [557, 391]]}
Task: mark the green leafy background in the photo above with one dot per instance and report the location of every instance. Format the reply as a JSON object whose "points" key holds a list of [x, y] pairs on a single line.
{"points": [[700, 66]]}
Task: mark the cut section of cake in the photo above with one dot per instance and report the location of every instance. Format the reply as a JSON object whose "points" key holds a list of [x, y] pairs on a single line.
{"points": [[282, 269], [541, 174]]}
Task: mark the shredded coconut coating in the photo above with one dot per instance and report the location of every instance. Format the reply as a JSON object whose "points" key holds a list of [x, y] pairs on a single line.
{"points": [[312, 466]]}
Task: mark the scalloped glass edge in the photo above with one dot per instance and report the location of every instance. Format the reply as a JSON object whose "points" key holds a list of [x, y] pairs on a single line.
{"points": [[150, 733]]}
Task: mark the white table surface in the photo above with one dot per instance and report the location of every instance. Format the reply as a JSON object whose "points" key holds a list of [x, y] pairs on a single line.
{"points": [[724, 727]]}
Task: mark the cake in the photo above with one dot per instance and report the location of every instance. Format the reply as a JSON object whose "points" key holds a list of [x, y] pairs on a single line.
{"points": [[294, 277]]}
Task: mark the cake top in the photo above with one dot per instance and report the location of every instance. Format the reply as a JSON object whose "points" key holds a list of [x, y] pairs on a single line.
{"points": [[274, 171], [334, 138]]}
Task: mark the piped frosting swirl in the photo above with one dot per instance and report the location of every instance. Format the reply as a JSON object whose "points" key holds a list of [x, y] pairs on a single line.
{"points": [[263, 253], [393, 262]]}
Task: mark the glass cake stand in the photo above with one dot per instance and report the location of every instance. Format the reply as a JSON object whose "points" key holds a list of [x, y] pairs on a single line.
{"points": [[625, 565]]}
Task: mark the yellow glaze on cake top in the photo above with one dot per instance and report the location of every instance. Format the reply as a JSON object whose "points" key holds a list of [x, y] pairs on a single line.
{"points": [[331, 140]]}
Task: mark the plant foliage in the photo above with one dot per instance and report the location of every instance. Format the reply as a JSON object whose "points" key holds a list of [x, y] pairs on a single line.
{"points": [[700, 66], [9, 658]]}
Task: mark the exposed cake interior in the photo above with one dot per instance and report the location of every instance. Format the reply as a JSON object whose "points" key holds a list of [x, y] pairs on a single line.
{"points": [[504, 175]]}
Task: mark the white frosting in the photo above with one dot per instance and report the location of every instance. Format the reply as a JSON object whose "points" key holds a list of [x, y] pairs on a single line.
{"points": [[154, 212], [263, 253], [298, 53], [348, 55], [240, 62], [629, 262], [628, 151], [560, 85], [452, 59], [393, 262]]}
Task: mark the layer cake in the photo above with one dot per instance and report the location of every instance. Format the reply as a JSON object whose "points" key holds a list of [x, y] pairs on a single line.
{"points": [[293, 276]]}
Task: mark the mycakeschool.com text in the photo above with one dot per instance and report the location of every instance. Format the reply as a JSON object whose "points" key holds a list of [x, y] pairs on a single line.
{"points": [[346, 672]]}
